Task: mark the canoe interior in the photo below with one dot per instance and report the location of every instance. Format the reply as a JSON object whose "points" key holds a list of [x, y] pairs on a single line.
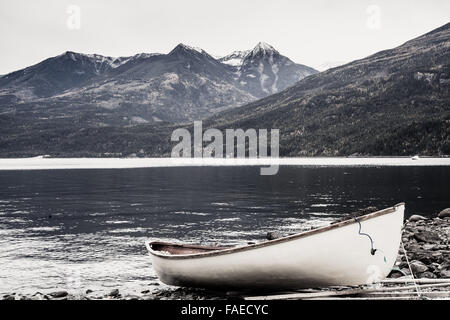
{"points": [[184, 250], [181, 249]]}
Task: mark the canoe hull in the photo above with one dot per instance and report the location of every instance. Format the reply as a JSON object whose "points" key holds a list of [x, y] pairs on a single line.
{"points": [[329, 256]]}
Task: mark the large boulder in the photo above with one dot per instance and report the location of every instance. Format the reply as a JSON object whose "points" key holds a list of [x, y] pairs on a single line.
{"points": [[273, 235], [445, 274], [428, 274], [416, 217], [418, 267], [58, 294], [114, 293], [444, 213]]}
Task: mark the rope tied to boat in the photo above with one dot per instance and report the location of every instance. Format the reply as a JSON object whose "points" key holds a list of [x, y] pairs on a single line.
{"points": [[410, 270], [419, 294], [372, 249]]}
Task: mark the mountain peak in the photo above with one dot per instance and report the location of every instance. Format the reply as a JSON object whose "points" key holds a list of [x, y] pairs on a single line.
{"points": [[76, 55], [183, 47], [264, 48], [71, 54], [264, 45]]}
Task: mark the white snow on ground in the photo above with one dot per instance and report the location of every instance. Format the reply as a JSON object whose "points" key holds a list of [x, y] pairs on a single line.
{"points": [[40, 163]]}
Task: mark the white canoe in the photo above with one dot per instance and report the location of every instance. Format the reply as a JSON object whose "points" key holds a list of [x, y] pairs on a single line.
{"points": [[335, 255]]}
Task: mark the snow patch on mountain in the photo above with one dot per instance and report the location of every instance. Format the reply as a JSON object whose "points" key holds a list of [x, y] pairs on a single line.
{"points": [[169, 80], [262, 77], [235, 58], [199, 50], [275, 81]]}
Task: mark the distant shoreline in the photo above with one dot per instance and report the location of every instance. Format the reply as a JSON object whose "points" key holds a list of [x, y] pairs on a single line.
{"points": [[43, 163]]}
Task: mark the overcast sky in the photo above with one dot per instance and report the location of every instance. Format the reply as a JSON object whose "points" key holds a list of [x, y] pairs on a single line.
{"points": [[309, 32]]}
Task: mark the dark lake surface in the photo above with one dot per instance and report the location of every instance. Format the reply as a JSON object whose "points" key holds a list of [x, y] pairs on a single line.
{"points": [[85, 229]]}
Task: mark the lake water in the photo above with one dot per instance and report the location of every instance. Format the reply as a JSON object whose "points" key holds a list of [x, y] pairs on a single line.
{"points": [[85, 229]]}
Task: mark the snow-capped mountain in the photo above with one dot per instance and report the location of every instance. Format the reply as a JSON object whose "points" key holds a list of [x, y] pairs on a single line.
{"points": [[185, 84], [181, 47], [182, 85], [54, 75], [58, 74], [392, 103], [265, 71]]}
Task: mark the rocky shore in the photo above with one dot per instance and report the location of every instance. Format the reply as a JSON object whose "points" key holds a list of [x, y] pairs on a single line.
{"points": [[427, 245], [116, 294], [426, 242]]}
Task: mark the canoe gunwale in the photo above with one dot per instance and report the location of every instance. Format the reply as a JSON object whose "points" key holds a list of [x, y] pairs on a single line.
{"points": [[223, 251]]}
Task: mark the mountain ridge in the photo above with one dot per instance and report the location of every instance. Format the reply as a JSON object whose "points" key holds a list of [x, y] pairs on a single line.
{"points": [[407, 84], [185, 84], [392, 103]]}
